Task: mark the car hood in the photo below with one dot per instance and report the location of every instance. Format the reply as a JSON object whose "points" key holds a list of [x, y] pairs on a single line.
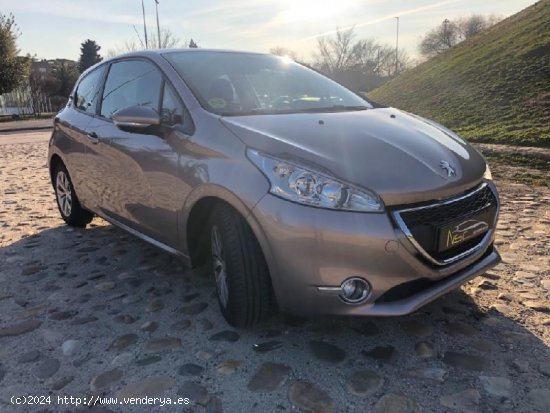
{"points": [[394, 153]]}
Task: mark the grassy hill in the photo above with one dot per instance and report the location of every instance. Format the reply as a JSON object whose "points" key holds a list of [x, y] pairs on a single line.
{"points": [[494, 87]]}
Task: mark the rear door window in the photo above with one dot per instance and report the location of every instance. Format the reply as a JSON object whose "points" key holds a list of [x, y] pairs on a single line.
{"points": [[131, 83], [87, 91]]}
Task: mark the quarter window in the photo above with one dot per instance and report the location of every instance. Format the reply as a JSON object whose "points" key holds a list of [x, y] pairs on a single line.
{"points": [[131, 83], [88, 90], [172, 110]]}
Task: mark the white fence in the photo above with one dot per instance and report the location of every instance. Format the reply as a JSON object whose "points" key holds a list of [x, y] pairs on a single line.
{"points": [[21, 102]]}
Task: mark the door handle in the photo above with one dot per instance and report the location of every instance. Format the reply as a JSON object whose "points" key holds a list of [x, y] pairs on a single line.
{"points": [[92, 136]]}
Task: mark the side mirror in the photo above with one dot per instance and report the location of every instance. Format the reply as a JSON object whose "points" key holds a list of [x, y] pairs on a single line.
{"points": [[136, 117]]}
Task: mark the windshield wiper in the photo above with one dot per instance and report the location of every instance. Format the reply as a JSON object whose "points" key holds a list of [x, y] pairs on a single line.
{"points": [[335, 108], [268, 111], [259, 111]]}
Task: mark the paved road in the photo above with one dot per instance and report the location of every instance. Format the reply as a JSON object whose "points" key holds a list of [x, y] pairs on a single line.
{"points": [[24, 137], [96, 312], [22, 125]]}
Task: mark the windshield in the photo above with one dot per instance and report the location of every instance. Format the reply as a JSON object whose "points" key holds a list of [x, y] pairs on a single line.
{"points": [[233, 84]]}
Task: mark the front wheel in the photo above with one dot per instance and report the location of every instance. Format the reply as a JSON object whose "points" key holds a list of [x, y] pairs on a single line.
{"points": [[70, 209], [242, 278]]}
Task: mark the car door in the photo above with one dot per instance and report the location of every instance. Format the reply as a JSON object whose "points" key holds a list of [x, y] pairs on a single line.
{"points": [[74, 123], [142, 188]]}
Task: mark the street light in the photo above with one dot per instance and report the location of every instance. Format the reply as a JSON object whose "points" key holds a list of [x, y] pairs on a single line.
{"points": [[446, 32], [397, 47], [144, 25], [158, 26]]}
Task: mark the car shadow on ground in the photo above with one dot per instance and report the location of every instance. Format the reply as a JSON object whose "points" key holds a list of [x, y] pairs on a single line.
{"points": [[105, 300]]}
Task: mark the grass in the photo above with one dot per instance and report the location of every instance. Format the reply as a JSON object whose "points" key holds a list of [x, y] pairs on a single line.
{"points": [[531, 170], [494, 87], [510, 159], [530, 179]]}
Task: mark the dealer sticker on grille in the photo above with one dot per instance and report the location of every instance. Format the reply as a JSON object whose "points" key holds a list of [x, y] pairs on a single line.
{"points": [[458, 232]]}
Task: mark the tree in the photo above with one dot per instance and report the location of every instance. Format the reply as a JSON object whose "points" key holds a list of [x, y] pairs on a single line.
{"points": [[193, 45], [343, 52], [450, 33], [89, 55], [358, 64], [41, 87], [283, 51], [475, 24], [13, 69], [439, 39], [54, 87], [167, 41], [338, 53], [66, 73]]}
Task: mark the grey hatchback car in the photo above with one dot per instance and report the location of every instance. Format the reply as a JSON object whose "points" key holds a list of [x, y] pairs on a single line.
{"points": [[295, 191]]}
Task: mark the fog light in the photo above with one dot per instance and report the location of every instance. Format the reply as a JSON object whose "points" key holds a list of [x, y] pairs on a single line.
{"points": [[354, 290]]}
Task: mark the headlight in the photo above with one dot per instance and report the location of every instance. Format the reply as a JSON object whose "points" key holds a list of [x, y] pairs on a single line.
{"points": [[487, 175], [298, 184]]}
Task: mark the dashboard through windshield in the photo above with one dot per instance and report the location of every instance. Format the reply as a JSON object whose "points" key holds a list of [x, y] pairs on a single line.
{"points": [[237, 84]]}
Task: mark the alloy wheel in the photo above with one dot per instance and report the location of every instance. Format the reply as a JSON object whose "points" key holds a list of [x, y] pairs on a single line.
{"points": [[64, 193], [219, 265]]}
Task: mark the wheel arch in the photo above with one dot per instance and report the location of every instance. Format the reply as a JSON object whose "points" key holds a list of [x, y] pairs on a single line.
{"points": [[54, 161], [196, 213]]}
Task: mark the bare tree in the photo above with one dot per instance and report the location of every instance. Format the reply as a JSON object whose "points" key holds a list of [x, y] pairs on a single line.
{"points": [[475, 24], [439, 39], [450, 33], [283, 51], [168, 40], [386, 66], [336, 53], [365, 57]]}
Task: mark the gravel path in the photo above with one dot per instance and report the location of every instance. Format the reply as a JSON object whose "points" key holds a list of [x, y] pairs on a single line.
{"points": [[96, 312]]}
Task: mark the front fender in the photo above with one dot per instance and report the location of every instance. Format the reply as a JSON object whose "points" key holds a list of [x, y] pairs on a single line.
{"points": [[225, 195], [211, 190]]}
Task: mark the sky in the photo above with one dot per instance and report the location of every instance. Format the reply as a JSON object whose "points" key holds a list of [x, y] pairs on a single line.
{"points": [[56, 28]]}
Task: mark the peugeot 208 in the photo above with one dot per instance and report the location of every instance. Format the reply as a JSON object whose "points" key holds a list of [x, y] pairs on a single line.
{"points": [[292, 188]]}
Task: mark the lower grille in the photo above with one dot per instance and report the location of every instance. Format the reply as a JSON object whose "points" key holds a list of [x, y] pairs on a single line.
{"points": [[410, 288], [423, 223]]}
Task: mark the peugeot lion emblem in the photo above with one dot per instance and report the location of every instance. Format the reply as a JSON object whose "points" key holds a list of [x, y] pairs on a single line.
{"points": [[450, 170]]}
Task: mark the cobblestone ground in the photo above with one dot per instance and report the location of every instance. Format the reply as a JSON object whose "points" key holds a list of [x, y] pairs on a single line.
{"points": [[97, 312]]}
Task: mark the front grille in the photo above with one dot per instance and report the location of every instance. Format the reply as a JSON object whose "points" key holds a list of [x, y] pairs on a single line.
{"points": [[422, 222]]}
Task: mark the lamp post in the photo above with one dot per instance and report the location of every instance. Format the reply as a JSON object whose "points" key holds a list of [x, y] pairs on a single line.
{"points": [[446, 32], [158, 25], [144, 25], [397, 47]]}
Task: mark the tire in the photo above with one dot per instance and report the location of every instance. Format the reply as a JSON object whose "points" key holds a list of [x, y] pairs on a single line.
{"points": [[67, 202], [247, 296]]}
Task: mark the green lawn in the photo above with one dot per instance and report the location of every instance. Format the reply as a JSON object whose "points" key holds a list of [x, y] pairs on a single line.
{"points": [[494, 87]]}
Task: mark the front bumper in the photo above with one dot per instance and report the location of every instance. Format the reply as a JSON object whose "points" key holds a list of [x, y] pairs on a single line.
{"points": [[307, 248]]}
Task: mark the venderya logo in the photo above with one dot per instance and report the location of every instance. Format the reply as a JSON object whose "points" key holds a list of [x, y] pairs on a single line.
{"points": [[465, 230]]}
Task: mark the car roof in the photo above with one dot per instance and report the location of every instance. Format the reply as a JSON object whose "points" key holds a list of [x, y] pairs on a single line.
{"points": [[159, 52], [156, 53]]}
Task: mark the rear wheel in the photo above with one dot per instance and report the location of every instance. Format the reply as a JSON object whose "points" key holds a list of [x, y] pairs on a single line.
{"points": [[239, 268], [70, 209]]}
